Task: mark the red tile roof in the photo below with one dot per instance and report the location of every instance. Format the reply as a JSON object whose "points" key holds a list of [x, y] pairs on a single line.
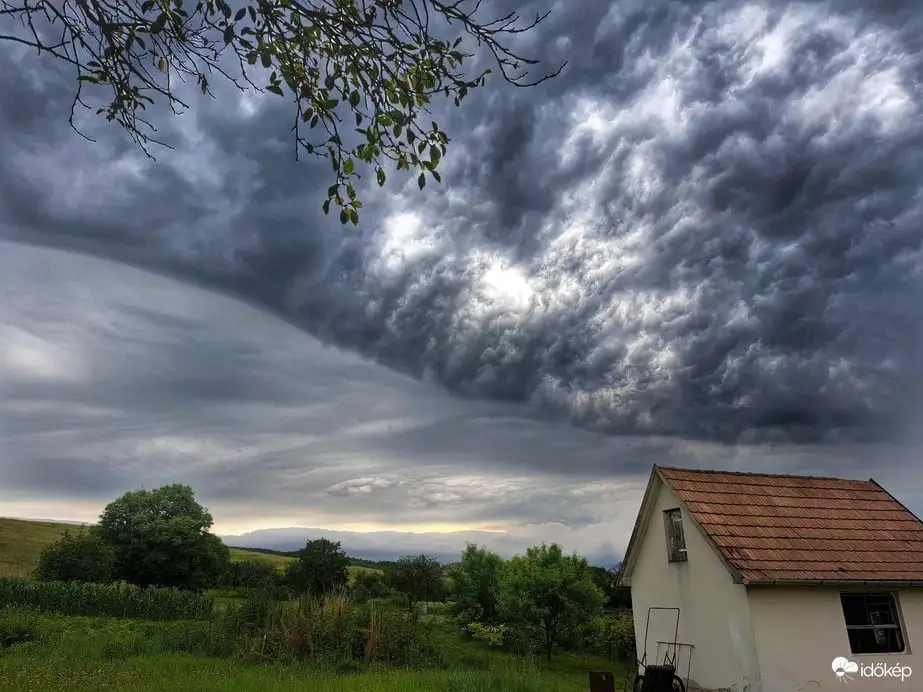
{"points": [[801, 528]]}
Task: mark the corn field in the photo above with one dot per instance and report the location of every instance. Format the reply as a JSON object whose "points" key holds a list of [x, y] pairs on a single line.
{"points": [[104, 600]]}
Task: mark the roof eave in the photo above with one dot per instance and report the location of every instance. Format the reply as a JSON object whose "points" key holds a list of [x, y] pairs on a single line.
{"points": [[832, 582], [637, 532]]}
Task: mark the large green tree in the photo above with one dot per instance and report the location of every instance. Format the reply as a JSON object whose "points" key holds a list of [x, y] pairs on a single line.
{"points": [[475, 586], [161, 538], [417, 578], [320, 567], [359, 73], [548, 593]]}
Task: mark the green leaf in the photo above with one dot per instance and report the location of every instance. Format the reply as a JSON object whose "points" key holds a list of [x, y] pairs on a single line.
{"points": [[344, 215], [348, 167], [354, 98], [228, 34], [159, 23], [266, 58], [241, 13], [381, 176], [434, 153], [437, 176], [275, 89], [421, 181], [354, 216], [327, 207]]}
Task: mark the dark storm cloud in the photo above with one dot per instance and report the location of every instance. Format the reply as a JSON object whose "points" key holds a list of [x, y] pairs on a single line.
{"points": [[708, 227]]}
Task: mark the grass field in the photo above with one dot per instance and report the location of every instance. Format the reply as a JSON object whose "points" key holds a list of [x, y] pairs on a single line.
{"points": [[82, 653], [244, 555], [22, 541]]}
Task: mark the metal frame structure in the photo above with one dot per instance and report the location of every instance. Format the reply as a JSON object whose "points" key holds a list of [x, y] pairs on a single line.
{"points": [[660, 677]]}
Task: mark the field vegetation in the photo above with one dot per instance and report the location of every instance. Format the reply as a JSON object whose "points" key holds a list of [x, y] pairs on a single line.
{"points": [[147, 598]]}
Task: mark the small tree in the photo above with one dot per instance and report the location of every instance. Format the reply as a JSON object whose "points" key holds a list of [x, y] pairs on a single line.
{"points": [[475, 586], [321, 567], [549, 593], [81, 556], [160, 538], [417, 578], [369, 584]]}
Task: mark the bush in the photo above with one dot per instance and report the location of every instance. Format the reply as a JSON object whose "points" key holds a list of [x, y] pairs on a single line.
{"points": [[17, 628], [491, 634], [79, 557], [251, 575], [369, 584], [623, 638], [115, 600]]}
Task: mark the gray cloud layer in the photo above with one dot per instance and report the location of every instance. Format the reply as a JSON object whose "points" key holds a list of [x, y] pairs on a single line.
{"points": [[709, 228]]}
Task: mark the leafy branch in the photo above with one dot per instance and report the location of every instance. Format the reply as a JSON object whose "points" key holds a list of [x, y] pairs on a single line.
{"points": [[357, 70]]}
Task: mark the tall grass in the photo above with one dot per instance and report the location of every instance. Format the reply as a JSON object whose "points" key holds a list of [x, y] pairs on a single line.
{"points": [[334, 629], [106, 600]]}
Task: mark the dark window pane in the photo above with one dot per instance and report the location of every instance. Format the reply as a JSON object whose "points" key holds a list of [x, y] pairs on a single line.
{"points": [[854, 609], [876, 641], [881, 610]]}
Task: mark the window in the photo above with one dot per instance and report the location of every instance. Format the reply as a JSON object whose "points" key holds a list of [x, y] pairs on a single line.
{"points": [[676, 541], [872, 623]]}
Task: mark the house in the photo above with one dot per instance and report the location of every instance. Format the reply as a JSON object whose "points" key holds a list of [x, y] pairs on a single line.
{"points": [[775, 577]]}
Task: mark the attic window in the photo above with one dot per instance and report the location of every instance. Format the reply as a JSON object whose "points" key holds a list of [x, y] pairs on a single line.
{"points": [[872, 623], [676, 540]]}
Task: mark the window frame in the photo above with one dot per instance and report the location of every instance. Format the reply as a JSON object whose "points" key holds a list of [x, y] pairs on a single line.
{"points": [[895, 610], [676, 535]]}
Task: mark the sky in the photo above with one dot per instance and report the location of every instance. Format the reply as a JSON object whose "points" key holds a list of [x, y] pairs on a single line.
{"points": [[700, 245]]}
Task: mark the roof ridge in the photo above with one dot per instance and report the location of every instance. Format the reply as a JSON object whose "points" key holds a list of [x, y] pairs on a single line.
{"points": [[764, 475]]}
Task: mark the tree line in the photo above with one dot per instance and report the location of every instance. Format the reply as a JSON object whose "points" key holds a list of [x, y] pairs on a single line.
{"points": [[543, 599]]}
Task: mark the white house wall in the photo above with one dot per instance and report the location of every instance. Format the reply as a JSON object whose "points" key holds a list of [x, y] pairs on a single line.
{"points": [[800, 630], [715, 612]]}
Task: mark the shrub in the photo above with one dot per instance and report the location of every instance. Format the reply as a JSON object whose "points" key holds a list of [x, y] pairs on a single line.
{"points": [[81, 557], [491, 634], [623, 637], [109, 600], [369, 584], [251, 575], [17, 628]]}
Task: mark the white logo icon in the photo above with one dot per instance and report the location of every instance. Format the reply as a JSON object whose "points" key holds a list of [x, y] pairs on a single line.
{"points": [[842, 667]]}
